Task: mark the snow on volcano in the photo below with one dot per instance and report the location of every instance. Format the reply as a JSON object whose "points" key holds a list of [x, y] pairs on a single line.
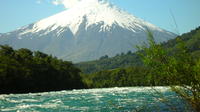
{"points": [[87, 31]]}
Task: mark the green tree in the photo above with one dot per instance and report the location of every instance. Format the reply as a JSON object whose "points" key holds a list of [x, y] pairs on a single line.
{"points": [[23, 71], [176, 68]]}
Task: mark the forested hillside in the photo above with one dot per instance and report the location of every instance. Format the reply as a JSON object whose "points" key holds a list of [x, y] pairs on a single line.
{"points": [[121, 77], [106, 63], [191, 39]]}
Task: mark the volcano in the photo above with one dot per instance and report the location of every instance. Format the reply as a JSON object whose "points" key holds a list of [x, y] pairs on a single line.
{"points": [[87, 31]]}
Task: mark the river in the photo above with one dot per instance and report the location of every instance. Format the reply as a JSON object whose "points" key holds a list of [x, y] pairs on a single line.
{"points": [[129, 99]]}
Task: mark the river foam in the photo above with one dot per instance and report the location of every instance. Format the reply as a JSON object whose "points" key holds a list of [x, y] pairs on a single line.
{"points": [[90, 100]]}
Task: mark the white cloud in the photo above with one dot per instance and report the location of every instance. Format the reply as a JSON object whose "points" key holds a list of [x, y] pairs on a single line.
{"points": [[56, 2], [38, 1], [66, 3]]}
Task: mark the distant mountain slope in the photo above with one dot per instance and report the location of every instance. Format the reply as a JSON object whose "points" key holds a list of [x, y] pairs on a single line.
{"points": [[89, 30], [192, 40], [119, 61]]}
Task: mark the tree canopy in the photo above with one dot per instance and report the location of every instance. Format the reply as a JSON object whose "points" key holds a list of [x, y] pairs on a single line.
{"points": [[24, 71]]}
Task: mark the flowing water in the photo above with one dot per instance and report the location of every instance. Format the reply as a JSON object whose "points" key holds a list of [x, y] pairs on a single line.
{"points": [[143, 99]]}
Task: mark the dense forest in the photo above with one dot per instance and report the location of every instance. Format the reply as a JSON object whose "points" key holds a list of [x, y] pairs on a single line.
{"points": [[191, 39], [106, 63], [121, 77], [23, 71]]}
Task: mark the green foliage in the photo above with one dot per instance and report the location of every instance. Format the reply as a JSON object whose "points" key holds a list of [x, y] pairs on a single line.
{"points": [[23, 71], [105, 63], [191, 41], [122, 77], [104, 57], [179, 69], [154, 55]]}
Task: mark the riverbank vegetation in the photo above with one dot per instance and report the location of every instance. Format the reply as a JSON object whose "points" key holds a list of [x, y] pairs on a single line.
{"points": [[23, 71], [177, 68]]}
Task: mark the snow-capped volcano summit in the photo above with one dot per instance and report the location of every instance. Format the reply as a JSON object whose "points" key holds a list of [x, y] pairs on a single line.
{"points": [[91, 12], [89, 30]]}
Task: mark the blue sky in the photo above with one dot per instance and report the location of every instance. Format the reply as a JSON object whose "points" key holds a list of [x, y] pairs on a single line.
{"points": [[17, 13]]}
